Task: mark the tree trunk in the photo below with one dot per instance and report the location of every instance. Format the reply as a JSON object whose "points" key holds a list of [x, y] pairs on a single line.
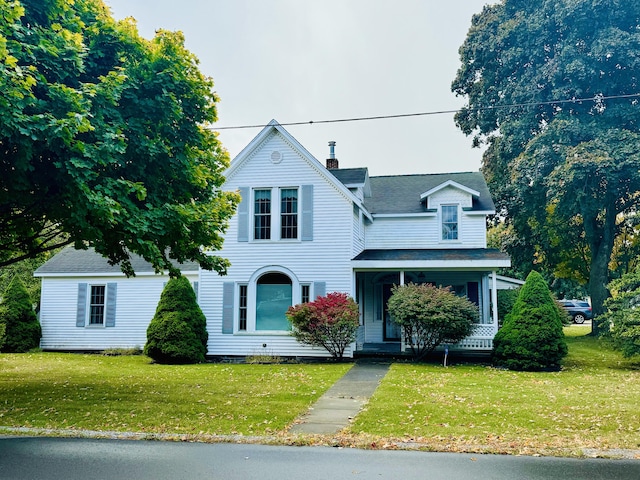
{"points": [[601, 248], [598, 277]]}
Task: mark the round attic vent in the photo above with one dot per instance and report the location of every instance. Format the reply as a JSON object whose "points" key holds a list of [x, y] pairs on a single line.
{"points": [[276, 157]]}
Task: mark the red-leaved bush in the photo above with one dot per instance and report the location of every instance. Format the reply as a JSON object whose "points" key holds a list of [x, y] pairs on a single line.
{"points": [[330, 322]]}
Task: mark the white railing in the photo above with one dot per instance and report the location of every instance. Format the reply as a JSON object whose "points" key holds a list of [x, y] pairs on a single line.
{"points": [[480, 339]]}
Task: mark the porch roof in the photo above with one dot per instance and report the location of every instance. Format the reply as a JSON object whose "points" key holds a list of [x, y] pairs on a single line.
{"points": [[472, 258]]}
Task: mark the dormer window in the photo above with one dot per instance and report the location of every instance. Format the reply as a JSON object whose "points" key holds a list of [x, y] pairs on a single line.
{"points": [[449, 222]]}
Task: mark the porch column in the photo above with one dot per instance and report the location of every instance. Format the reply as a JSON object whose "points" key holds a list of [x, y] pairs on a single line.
{"points": [[401, 277], [494, 299]]}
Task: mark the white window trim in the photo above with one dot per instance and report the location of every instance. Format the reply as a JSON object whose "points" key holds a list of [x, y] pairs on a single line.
{"points": [[296, 298], [276, 214], [88, 323], [441, 223]]}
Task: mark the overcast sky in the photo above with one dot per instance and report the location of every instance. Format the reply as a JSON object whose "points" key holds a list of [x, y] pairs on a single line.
{"points": [[303, 60]]}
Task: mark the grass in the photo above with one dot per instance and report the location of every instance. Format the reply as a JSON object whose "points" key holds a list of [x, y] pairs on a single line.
{"points": [[593, 403], [128, 393]]}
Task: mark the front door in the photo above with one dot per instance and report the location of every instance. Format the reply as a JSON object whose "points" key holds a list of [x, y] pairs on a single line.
{"points": [[391, 329]]}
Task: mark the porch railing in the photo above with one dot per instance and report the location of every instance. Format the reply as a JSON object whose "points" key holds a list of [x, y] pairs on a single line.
{"points": [[480, 339]]}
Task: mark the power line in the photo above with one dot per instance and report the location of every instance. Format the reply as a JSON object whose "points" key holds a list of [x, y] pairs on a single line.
{"points": [[597, 98]]}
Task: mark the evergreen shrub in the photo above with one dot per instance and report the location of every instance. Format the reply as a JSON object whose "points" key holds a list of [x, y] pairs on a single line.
{"points": [[620, 324], [177, 333], [22, 328], [531, 338]]}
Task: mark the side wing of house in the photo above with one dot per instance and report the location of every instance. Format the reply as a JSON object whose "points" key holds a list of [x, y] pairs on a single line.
{"points": [[88, 305], [290, 241], [446, 215], [426, 229]]}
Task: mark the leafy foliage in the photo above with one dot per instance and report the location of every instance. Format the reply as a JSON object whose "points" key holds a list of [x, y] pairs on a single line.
{"points": [[430, 316], [22, 330], [621, 322], [330, 322], [506, 301], [178, 331], [3, 331], [531, 337], [563, 170], [104, 139]]}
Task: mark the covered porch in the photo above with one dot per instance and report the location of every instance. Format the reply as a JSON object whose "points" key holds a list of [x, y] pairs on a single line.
{"points": [[469, 273]]}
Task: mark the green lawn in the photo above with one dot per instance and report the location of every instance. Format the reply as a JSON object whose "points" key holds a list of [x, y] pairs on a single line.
{"points": [[128, 393], [594, 402]]}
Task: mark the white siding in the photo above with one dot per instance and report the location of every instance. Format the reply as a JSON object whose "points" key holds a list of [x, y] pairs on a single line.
{"points": [[136, 303], [424, 232], [325, 259], [450, 195], [358, 231]]}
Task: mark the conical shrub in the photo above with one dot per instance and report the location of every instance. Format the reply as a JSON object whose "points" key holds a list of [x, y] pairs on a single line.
{"points": [[531, 337], [177, 333], [22, 328]]}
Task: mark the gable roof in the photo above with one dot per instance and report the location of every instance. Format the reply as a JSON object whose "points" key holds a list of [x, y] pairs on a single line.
{"points": [[450, 183], [272, 127], [401, 194], [72, 261]]}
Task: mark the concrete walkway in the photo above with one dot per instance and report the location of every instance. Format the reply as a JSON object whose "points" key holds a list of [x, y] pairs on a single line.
{"points": [[342, 402]]}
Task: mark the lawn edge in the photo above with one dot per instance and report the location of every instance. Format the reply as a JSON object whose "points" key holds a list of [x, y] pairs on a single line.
{"points": [[340, 440]]}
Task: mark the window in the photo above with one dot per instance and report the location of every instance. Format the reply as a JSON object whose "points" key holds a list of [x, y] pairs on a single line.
{"points": [[273, 298], [262, 215], [242, 308], [97, 305], [449, 222], [305, 293], [289, 213], [273, 220]]}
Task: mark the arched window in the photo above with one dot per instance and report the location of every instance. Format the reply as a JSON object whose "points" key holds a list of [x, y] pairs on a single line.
{"points": [[273, 298]]}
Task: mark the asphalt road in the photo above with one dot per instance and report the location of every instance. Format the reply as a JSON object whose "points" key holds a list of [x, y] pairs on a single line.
{"points": [[69, 459]]}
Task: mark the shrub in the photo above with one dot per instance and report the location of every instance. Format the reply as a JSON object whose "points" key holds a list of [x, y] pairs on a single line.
{"points": [[531, 337], [431, 316], [3, 329], [621, 321], [330, 322], [22, 328], [506, 301], [178, 331]]}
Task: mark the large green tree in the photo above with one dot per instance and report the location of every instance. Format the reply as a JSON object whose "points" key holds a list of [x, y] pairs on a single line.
{"points": [[553, 90], [105, 139]]}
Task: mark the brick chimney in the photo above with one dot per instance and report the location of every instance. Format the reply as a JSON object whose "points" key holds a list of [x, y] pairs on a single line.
{"points": [[332, 161]]}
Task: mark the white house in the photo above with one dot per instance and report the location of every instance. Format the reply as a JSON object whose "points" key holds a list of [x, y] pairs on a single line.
{"points": [[303, 229]]}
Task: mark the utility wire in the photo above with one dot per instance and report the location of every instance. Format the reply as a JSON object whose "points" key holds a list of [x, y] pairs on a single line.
{"points": [[597, 98]]}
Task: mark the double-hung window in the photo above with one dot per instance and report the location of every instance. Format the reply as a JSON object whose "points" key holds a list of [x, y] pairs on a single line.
{"points": [[449, 222], [273, 219], [289, 213], [262, 214], [97, 305]]}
